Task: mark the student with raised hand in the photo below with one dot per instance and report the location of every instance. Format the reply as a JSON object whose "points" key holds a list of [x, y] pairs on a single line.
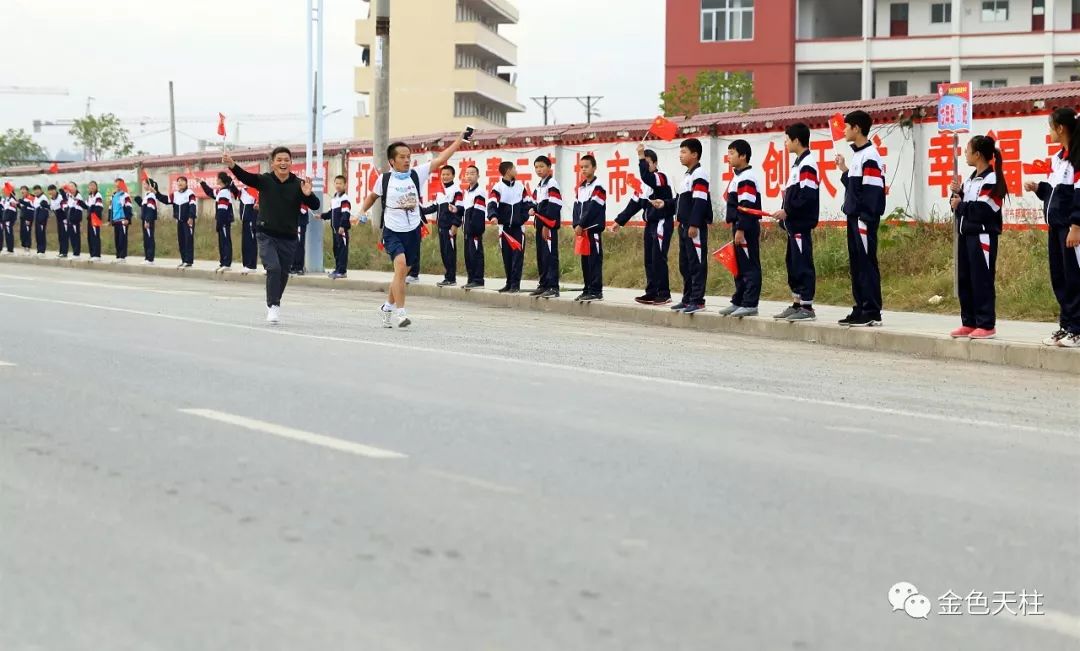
{"points": [[976, 205], [249, 218], [73, 217], [656, 204], [95, 205], [474, 223], [693, 211], [798, 217], [864, 205], [185, 209], [41, 219], [224, 193], [547, 216], [1060, 195], [148, 214], [590, 219], [9, 209]]}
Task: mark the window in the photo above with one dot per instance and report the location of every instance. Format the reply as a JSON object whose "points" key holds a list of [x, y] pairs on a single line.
{"points": [[898, 19], [993, 83], [1076, 14], [727, 20], [941, 12], [1038, 15], [934, 85], [1074, 77], [995, 11], [897, 88], [1036, 81]]}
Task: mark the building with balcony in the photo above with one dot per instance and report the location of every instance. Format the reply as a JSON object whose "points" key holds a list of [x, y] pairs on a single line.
{"points": [[449, 67], [809, 51]]}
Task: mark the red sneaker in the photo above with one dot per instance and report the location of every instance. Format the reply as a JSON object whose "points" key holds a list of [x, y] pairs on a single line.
{"points": [[984, 334], [962, 331]]}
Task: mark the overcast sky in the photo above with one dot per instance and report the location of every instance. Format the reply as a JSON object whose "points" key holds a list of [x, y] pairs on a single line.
{"points": [[221, 54]]}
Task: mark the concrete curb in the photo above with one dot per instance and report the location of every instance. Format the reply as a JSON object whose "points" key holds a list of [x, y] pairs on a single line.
{"points": [[1002, 353]]}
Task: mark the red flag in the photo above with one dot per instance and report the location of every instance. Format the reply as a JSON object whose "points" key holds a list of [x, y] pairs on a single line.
{"points": [[424, 231], [725, 255], [546, 221], [380, 246], [143, 176], [511, 242], [221, 124], [1038, 167], [9, 189], [70, 187], [754, 211], [836, 125], [634, 183], [664, 128], [121, 185], [581, 245], [54, 168], [252, 191]]}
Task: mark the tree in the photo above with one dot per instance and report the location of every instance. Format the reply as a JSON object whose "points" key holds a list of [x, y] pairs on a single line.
{"points": [[102, 135], [711, 91], [18, 147]]}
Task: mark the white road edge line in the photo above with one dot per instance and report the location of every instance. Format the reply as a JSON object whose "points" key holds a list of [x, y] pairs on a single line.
{"points": [[684, 384], [1053, 621], [482, 484], [6, 364], [330, 442]]}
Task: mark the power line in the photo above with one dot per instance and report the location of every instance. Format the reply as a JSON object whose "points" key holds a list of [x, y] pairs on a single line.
{"points": [[588, 102]]}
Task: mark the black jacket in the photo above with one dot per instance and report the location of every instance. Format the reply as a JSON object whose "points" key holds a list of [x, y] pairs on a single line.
{"points": [[279, 201]]}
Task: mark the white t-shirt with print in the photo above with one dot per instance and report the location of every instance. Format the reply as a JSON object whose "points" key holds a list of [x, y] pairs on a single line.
{"points": [[402, 205]]}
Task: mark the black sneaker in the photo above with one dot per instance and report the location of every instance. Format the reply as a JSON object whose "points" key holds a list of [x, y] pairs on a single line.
{"points": [[583, 297], [645, 299], [847, 320], [550, 293], [504, 289], [514, 290], [875, 319], [597, 297], [678, 307], [538, 292], [861, 321], [446, 283], [662, 300]]}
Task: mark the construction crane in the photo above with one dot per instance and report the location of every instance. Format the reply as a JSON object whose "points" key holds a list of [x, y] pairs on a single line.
{"points": [[142, 121], [32, 90]]}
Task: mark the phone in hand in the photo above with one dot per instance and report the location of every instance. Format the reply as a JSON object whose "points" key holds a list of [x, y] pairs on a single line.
{"points": [[468, 133]]}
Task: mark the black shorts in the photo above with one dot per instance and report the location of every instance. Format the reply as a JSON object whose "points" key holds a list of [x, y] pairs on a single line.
{"points": [[407, 244]]}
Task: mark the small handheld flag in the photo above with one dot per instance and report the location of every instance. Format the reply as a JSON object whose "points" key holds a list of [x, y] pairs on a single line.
{"points": [[424, 231], [634, 183], [9, 189], [1037, 167], [54, 168], [143, 176], [581, 245], [754, 211], [725, 255], [252, 191], [121, 185], [664, 128], [836, 125], [221, 124], [511, 242]]}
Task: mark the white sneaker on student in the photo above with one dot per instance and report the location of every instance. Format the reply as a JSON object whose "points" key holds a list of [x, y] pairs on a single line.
{"points": [[401, 319], [385, 314], [411, 280], [273, 314]]}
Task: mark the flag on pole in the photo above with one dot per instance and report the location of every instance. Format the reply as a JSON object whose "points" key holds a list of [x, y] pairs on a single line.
{"points": [[9, 189], [121, 185], [581, 245], [836, 125], [54, 168], [221, 124], [511, 242], [143, 176], [754, 211], [725, 255], [664, 128]]}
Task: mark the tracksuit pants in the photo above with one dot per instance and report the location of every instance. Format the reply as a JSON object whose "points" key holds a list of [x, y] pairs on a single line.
{"points": [[120, 238], [185, 241], [862, 241], [448, 249], [657, 243], [93, 240], [474, 258], [149, 244], [513, 260], [693, 265], [298, 256], [224, 242], [748, 280], [249, 249], [8, 240], [1065, 278], [75, 237], [976, 263], [547, 259], [26, 229], [62, 235], [802, 276], [592, 265], [277, 255], [341, 251], [41, 235]]}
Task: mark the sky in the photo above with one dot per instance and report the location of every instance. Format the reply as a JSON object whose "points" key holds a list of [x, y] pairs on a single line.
{"points": [[218, 53]]}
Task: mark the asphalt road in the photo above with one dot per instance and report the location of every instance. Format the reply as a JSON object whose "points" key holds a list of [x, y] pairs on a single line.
{"points": [[175, 474]]}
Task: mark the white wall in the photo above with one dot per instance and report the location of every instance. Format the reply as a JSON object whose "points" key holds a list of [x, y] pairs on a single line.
{"points": [[918, 81], [919, 17]]}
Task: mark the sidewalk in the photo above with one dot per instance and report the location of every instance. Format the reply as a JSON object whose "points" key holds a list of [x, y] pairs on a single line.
{"points": [[911, 333]]}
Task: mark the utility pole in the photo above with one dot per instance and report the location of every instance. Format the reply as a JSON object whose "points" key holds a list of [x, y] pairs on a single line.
{"points": [[172, 118], [381, 135], [587, 101], [313, 149]]}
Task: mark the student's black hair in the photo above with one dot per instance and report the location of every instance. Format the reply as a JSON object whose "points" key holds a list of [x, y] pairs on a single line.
{"points": [[543, 159], [590, 158], [1066, 117], [741, 148], [225, 179], [505, 167], [800, 132], [51, 187], [23, 187], [179, 178], [342, 177], [391, 151], [473, 167], [37, 187], [987, 148], [693, 144], [280, 150], [651, 155], [860, 119], [448, 167]]}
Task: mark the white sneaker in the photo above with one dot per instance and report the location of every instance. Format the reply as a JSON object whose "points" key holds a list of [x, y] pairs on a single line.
{"points": [[4, 252], [244, 271], [411, 280], [121, 261], [1071, 341], [1056, 338], [385, 315], [40, 255], [401, 319], [273, 314], [226, 269], [148, 262]]}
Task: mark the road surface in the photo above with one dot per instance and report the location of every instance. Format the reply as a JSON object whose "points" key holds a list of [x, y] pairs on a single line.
{"points": [[177, 475]]}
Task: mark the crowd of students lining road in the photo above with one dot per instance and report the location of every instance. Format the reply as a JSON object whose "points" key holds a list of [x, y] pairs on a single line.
{"points": [[275, 207]]}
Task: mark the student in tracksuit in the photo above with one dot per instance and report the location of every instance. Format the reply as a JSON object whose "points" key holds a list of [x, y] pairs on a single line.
{"points": [[26, 219], [95, 206], [547, 215], [864, 204], [224, 195], [656, 204], [10, 209], [693, 211], [449, 208], [41, 220], [148, 213], [120, 214], [297, 268], [798, 217], [340, 216], [73, 216], [1060, 195], [590, 219], [185, 207], [59, 205], [507, 205], [976, 205], [249, 224], [474, 223], [744, 191]]}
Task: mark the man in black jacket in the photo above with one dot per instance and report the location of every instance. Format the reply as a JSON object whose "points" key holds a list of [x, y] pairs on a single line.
{"points": [[280, 195]]}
